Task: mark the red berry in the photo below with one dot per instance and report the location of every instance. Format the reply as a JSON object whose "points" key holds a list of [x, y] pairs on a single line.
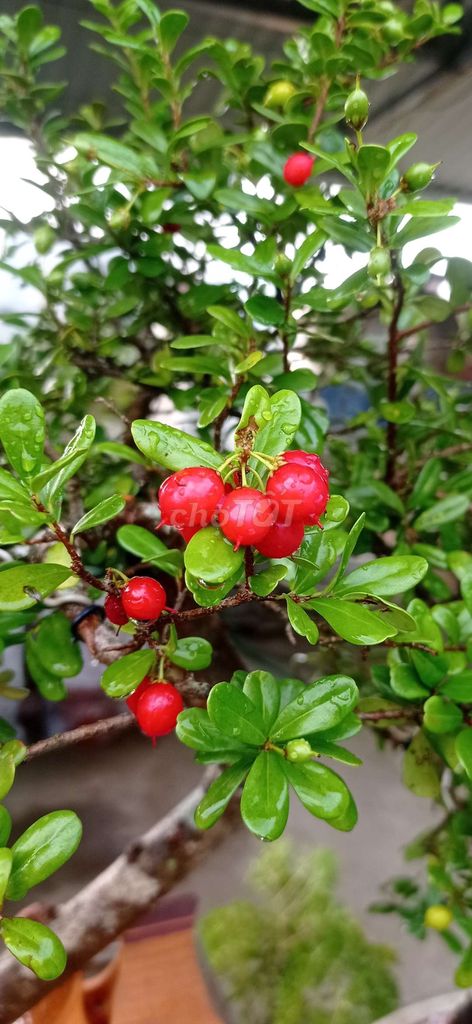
{"points": [[143, 598], [190, 497], [298, 492], [281, 540], [114, 610], [158, 708], [169, 228], [132, 700], [297, 168], [245, 516], [307, 459]]}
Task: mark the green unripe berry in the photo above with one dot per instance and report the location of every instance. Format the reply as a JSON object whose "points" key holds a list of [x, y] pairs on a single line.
{"points": [[394, 30], [356, 109], [279, 93], [438, 917], [298, 750], [282, 264], [418, 176], [379, 263], [43, 238]]}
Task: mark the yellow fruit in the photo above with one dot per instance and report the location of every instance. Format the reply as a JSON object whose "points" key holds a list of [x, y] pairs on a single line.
{"points": [[58, 555], [438, 917], [279, 93]]}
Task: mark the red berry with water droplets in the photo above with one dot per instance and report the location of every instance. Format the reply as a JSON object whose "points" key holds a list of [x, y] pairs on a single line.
{"points": [[114, 610], [245, 516], [297, 168], [281, 540], [143, 598], [132, 700], [307, 459], [157, 709], [190, 497], [298, 492]]}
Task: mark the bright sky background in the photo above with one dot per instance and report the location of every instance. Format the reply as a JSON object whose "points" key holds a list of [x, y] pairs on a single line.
{"points": [[25, 200]]}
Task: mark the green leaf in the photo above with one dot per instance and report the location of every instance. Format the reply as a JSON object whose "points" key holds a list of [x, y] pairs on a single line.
{"points": [[28, 23], [235, 715], [320, 790], [464, 750], [173, 448], [300, 621], [109, 151], [420, 773], [55, 646], [440, 716], [209, 556], [446, 510], [105, 510], [78, 446], [265, 801], [264, 692], [35, 946], [400, 146], [219, 794], [7, 775], [122, 451], [6, 858], [373, 164], [196, 730], [347, 821], [123, 676], [192, 653], [207, 596], [384, 576], [51, 687], [328, 749], [11, 489], [319, 706], [265, 310], [459, 687], [171, 26], [352, 622], [149, 548], [277, 434], [311, 244], [22, 430], [426, 483], [463, 975], [265, 582], [40, 579], [257, 407], [230, 319], [5, 826], [349, 547], [42, 850]]}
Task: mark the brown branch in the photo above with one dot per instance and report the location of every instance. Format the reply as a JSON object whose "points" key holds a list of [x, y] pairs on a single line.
{"points": [[426, 324], [392, 377], [221, 419], [319, 110], [77, 565], [101, 911], [94, 730], [391, 713], [446, 453]]}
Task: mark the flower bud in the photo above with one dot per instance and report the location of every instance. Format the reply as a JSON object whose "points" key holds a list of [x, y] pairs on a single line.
{"points": [[298, 750], [356, 109], [282, 264]]}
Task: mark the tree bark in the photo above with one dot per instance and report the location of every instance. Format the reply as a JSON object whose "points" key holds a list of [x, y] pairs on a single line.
{"points": [[111, 902]]}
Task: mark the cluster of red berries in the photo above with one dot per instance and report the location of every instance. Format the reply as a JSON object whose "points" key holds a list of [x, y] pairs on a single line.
{"points": [[297, 168], [273, 521], [155, 705]]}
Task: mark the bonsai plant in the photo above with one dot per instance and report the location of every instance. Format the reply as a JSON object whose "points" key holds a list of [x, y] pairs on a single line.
{"points": [[185, 279], [294, 953]]}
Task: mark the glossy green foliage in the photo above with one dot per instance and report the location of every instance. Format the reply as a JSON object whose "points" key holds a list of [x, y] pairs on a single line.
{"points": [[248, 727]]}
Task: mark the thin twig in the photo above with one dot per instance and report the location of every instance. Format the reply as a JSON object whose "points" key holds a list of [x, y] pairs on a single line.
{"points": [[392, 377], [426, 324]]}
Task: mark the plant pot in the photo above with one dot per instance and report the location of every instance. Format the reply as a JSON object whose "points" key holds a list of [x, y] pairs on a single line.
{"points": [[430, 1011]]}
